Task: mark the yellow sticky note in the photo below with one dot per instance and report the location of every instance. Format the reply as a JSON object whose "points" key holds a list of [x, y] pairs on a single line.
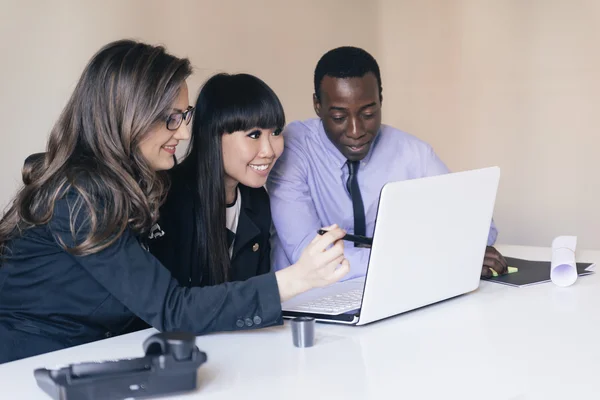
{"points": [[511, 270]]}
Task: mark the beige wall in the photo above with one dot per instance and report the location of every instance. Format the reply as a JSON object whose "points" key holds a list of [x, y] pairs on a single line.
{"points": [[508, 83], [46, 44], [487, 82]]}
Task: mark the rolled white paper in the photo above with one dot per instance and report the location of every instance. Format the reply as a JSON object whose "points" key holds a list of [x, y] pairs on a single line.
{"points": [[563, 268]]}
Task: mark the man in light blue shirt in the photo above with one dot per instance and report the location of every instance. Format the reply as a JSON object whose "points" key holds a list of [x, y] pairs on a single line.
{"points": [[333, 167]]}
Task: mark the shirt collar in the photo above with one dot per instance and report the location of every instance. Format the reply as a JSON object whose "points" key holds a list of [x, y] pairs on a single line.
{"points": [[336, 155]]}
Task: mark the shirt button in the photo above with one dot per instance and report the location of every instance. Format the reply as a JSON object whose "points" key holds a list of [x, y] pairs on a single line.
{"points": [[257, 320], [249, 322], [239, 323], [108, 334]]}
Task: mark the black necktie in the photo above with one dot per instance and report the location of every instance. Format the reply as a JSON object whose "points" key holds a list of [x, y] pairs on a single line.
{"points": [[357, 203]]}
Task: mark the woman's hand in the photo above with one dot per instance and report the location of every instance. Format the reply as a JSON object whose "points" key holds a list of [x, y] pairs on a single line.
{"points": [[322, 263]]}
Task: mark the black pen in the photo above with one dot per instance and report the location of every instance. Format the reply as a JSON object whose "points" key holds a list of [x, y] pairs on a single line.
{"points": [[353, 238]]}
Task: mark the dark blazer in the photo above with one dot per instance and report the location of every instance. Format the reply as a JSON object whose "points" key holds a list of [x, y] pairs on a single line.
{"points": [[172, 239], [50, 299]]}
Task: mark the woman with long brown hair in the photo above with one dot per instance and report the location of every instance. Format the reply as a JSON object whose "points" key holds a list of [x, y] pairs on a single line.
{"points": [[73, 264]]}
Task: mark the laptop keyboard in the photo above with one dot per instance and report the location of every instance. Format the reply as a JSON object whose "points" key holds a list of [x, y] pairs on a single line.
{"points": [[333, 304]]}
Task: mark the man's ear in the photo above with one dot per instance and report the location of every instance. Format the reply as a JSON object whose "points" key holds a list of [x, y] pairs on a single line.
{"points": [[316, 105]]}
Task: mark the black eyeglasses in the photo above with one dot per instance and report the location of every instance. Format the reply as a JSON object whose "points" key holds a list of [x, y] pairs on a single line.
{"points": [[174, 120]]}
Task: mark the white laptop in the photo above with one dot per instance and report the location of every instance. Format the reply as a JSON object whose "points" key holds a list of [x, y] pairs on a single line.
{"points": [[429, 243]]}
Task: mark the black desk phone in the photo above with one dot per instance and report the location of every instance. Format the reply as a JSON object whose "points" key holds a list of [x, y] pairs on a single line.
{"points": [[169, 366]]}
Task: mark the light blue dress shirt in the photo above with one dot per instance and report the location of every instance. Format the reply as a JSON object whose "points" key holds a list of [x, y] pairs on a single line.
{"points": [[307, 187]]}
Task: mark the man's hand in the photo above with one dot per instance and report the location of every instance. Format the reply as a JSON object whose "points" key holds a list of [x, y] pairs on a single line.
{"points": [[493, 260]]}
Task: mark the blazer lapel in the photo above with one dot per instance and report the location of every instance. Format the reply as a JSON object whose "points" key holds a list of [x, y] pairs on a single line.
{"points": [[246, 229]]}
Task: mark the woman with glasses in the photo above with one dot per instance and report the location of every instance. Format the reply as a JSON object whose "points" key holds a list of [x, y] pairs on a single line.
{"points": [[73, 264]]}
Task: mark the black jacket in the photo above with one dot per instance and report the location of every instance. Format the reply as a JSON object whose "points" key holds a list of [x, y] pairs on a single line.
{"points": [[172, 238], [50, 299]]}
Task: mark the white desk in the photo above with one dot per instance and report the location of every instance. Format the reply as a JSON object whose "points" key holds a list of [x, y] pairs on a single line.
{"points": [[495, 343]]}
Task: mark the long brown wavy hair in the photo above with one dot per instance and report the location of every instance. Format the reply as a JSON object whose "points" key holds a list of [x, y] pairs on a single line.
{"points": [[125, 90]]}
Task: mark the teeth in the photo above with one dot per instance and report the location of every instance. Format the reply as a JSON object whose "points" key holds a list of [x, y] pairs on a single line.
{"points": [[260, 167], [169, 147]]}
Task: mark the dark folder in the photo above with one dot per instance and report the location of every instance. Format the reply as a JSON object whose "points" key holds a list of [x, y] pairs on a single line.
{"points": [[533, 272]]}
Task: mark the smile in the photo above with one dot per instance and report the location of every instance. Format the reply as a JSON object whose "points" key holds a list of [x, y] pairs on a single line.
{"points": [[261, 167], [170, 149], [356, 149]]}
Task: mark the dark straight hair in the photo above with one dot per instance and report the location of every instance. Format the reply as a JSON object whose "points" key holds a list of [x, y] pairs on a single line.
{"points": [[226, 104]]}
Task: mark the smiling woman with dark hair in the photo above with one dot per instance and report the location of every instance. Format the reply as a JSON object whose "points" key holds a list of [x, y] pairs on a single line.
{"points": [[216, 220], [215, 224]]}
